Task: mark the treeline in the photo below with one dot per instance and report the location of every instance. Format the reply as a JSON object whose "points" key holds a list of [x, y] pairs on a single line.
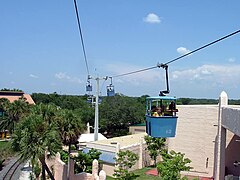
{"points": [[192, 101], [116, 113]]}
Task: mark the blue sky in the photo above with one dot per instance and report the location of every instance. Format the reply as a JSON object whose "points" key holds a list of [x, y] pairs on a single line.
{"points": [[40, 49]]}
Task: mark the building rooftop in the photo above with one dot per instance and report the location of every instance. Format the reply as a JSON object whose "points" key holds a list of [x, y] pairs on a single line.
{"points": [[15, 95], [90, 137], [124, 141]]}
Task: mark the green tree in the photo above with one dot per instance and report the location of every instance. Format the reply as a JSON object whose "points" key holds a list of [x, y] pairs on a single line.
{"points": [[172, 165], [118, 113], [83, 162], [34, 137], [155, 146], [70, 128], [124, 161], [185, 101], [4, 104], [13, 113], [46, 132], [47, 111]]}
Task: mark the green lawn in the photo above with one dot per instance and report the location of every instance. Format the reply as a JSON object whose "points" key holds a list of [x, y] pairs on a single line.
{"points": [[5, 149], [142, 175], [3, 144]]}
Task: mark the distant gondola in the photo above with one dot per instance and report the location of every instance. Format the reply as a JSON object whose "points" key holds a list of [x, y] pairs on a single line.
{"points": [[110, 89]]}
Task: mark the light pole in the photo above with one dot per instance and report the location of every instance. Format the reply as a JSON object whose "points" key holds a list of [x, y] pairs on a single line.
{"points": [[96, 122]]}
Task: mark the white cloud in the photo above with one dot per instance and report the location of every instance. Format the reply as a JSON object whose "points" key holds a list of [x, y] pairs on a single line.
{"points": [[152, 18], [209, 74], [231, 60], [33, 76], [202, 81], [183, 50], [64, 76]]}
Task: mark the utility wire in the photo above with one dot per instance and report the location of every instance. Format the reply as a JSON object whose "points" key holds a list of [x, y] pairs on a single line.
{"points": [[209, 44], [133, 72], [180, 57], [81, 36]]}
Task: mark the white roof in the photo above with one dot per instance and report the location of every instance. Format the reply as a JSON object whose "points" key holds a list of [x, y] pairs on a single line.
{"points": [[124, 141], [90, 137]]}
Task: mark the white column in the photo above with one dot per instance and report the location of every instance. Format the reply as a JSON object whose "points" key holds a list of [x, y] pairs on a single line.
{"points": [[88, 128], [95, 167], [102, 175], [140, 154], [96, 111], [219, 164]]}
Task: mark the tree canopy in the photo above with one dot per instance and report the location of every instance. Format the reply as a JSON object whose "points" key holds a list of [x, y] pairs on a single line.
{"points": [[172, 165], [116, 113]]}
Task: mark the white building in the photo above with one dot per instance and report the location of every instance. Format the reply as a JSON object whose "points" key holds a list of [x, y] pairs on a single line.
{"points": [[110, 147]]}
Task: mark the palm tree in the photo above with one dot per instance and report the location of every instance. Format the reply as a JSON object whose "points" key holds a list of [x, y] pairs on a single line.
{"points": [[33, 137], [4, 123], [47, 111], [13, 112], [70, 128]]}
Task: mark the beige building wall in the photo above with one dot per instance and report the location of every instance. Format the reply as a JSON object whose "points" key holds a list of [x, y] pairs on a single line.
{"points": [[195, 137], [108, 168]]}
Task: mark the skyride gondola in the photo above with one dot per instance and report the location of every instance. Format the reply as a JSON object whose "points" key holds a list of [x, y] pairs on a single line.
{"points": [[110, 89], [161, 113]]}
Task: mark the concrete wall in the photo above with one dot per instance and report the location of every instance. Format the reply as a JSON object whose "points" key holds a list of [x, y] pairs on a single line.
{"points": [[58, 167], [108, 168], [104, 147], [60, 170], [232, 154], [140, 149], [231, 119], [195, 137], [137, 129]]}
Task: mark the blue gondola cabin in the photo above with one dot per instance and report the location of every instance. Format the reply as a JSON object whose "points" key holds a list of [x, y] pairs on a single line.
{"points": [[110, 90], [161, 116]]}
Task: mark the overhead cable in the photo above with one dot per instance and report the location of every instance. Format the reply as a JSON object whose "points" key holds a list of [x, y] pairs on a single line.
{"points": [[81, 36], [202, 47], [180, 57], [133, 72]]}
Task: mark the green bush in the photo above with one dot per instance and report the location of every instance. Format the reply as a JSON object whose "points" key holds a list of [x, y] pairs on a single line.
{"points": [[172, 165], [6, 150], [64, 156], [83, 162]]}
